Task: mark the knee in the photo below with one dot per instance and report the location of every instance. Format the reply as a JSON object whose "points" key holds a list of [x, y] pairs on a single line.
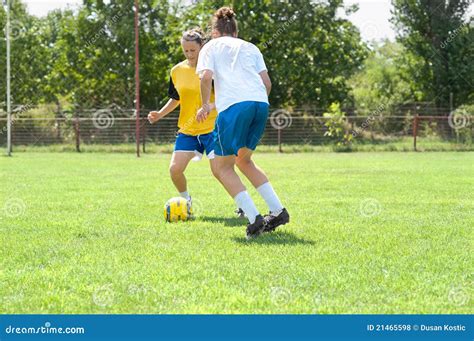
{"points": [[175, 169], [215, 172], [244, 163]]}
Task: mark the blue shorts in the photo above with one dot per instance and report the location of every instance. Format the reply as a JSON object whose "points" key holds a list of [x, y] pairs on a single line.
{"points": [[241, 125], [197, 144]]}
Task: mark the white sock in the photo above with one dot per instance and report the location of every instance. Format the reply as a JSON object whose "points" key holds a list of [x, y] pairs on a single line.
{"points": [[271, 198], [245, 202], [184, 195]]}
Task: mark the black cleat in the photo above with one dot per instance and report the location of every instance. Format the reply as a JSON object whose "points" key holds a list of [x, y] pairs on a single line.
{"points": [[272, 222], [257, 228], [240, 213]]}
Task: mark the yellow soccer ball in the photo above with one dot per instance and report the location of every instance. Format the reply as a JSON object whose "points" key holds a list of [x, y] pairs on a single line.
{"points": [[178, 209]]}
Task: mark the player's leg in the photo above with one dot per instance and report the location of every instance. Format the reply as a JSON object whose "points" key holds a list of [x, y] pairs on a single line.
{"points": [[209, 145], [254, 133], [258, 179], [228, 136], [227, 175], [278, 214], [213, 165], [184, 151], [178, 164], [248, 167], [236, 189]]}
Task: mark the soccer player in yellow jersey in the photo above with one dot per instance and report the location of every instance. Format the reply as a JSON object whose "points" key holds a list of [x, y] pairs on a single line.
{"points": [[184, 90]]}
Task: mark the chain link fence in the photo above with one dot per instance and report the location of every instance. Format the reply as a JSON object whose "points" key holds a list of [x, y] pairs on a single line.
{"points": [[287, 130]]}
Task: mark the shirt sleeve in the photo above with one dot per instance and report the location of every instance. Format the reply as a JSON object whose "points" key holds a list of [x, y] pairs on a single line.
{"points": [[172, 92], [205, 61], [259, 62]]}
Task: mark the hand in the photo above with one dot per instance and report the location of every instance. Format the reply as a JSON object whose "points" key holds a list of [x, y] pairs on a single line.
{"points": [[203, 113], [153, 117]]}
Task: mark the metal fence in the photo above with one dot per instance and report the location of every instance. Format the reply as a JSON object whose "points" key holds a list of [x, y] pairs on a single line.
{"points": [[116, 126]]}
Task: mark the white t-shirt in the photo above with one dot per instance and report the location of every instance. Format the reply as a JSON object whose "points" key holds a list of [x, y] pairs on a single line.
{"points": [[236, 65]]}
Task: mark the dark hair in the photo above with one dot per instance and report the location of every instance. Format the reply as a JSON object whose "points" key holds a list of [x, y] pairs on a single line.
{"points": [[224, 21], [194, 34]]}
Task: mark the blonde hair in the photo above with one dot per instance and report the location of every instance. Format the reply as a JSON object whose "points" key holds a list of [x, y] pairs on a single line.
{"points": [[194, 34]]}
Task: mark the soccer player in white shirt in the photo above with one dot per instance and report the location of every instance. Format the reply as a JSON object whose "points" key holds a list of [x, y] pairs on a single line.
{"points": [[242, 85]]}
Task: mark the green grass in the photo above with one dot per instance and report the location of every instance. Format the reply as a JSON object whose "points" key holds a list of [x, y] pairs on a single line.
{"points": [[84, 233], [388, 144]]}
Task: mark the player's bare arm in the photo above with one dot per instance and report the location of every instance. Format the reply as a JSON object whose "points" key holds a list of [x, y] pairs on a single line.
{"points": [[206, 86], [266, 81], [155, 116]]}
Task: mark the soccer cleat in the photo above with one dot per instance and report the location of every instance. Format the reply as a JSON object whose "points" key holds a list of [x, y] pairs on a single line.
{"points": [[240, 213], [256, 229], [272, 221]]}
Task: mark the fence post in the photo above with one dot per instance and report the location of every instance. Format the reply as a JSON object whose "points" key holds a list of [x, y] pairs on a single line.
{"points": [[279, 141], [144, 132], [415, 129], [77, 131]]}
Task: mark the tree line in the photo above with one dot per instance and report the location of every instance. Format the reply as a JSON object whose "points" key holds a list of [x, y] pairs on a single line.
{"points": [[84, 58]]}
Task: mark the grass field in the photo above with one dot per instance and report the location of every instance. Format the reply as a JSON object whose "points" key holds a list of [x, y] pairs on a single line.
{"points": [[370, 233], [389, 144]]}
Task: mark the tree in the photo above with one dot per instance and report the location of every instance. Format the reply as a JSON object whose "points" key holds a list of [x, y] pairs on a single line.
{"points": [[29, 55], [386, 79], [438, 32], [86, 57], [308, 49]]}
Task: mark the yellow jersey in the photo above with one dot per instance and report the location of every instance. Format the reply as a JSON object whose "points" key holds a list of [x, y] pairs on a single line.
{"points": [[185, 87]]}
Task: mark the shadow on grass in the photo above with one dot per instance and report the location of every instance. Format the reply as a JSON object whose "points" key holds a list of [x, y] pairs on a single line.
{"points": [[234, 221], [277, 237]]}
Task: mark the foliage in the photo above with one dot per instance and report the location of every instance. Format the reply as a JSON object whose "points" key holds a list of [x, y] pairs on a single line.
{"points": [[386, 79], [87, 56], [442, 36], [309, 50], [84, 59], [336, 125]]}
